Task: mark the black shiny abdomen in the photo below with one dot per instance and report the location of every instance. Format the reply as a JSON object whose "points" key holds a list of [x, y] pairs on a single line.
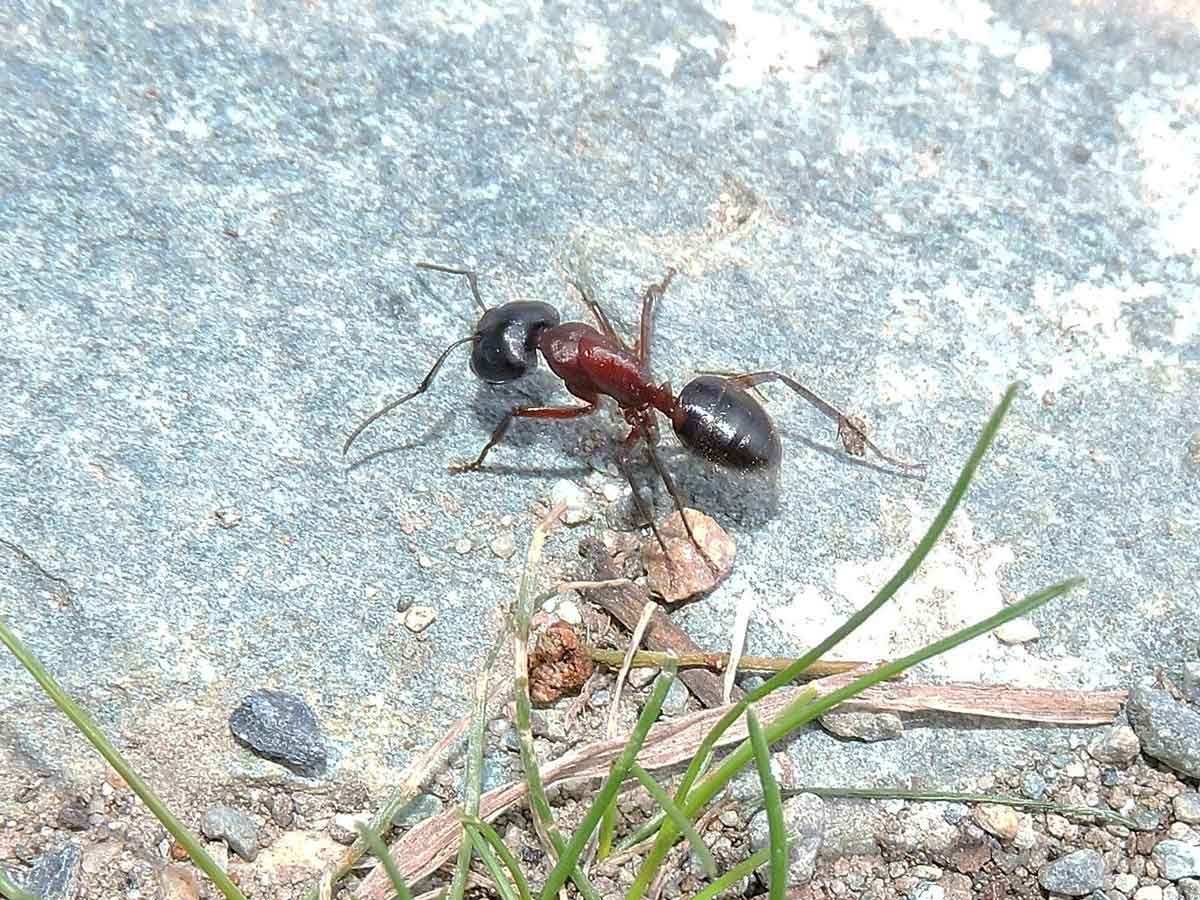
{"points": [[717, 419], [507, 338]]}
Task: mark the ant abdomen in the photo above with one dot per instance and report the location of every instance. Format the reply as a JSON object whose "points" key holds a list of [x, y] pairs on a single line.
{"points": [[506, 340], [719, 420]]}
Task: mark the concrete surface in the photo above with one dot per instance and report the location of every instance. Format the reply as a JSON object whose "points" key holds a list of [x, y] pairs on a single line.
{"points": [[208, 219]]}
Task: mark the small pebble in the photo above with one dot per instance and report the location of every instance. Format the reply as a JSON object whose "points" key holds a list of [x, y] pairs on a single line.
{"points": [[1176, 860], [682, 573], [676, 701], [282, 811], [463, 546], [1148, 892], [863, 726], [422, 807], [997, 819], [228, 516], [281, 727], [611, 492], [234, 827], [1118, 745], [577, 501], [1018, 631], [418, 618], [1191, 681], [1033, 786], [1187, 807], [424, 561], [1076, 874], [568, 611], [504, 546]]}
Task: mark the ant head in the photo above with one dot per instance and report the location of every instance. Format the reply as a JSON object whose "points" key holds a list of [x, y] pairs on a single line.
{"points": [[506, 340], [719, 420]]}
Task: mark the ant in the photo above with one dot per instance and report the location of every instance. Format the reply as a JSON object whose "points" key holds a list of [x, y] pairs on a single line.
{"points": [[715, 417]]}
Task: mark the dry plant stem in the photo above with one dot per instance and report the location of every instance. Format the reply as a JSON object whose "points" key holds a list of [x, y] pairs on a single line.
{"points": [[719, 662], [414, 776], [737, 643], [432, 842], [624, 601]]}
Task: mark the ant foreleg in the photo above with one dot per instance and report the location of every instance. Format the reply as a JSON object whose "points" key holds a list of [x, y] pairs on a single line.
{"points": [[472, 278], [652, 294], [421, 388], [524, 412], [851, 430]]}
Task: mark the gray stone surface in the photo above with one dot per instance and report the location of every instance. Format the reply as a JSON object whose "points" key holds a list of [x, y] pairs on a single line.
{"points": [[804, 822], [208, 220], [1168, 728], [1074, 875]]}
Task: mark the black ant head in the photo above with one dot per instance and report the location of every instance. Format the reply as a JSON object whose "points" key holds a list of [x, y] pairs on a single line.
{"points": [[506, 340], [721, 421]]}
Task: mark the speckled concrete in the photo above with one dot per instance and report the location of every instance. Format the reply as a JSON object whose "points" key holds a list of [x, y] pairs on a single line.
{"points": [[208, 218]]}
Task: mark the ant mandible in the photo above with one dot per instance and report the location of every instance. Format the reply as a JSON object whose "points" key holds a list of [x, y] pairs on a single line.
{"points": [[714, 417]]}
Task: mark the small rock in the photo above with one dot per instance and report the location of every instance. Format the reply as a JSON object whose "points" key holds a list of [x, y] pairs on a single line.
{"points": [[640, 677], [281, 727], [425, 561], [234, 827], [1118, 745], [1149, 892], [682, 573], [344, 828], [1017, 631], [1189, 888], [504, 546], [1075, 769], [1125, 882], [568, 611], [1191, 680], [56, 874], [1169, 730], [997, 819], [1187, 807], [74, 816], [178, 883], [804, 820], [1033, 786], [1076, 874], [282, 811], [422, 807], [863, 726], [927, 890], [578, 502], [418, 618], [228, 516], [676, 701], [463, 546], [1176, 860]]}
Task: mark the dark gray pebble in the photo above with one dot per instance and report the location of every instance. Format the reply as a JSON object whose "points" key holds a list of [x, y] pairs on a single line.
{"points": [[235, 828], [280, 727], [55, 876], [1076, 874]]}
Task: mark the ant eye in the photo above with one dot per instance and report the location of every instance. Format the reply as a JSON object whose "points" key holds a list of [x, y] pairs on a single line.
{"points": [[507, 338], [719, 420]]}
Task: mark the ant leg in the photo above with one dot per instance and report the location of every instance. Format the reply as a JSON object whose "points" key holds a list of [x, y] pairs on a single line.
{"points": [[524, 412], [644, 510], [652, 294], [472, 278], [850, 429], [421, 388], [598, 312], [651, 440]]}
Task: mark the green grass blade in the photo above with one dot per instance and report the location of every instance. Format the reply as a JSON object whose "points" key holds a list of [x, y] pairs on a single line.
{"points": [[608, 791], [474, 786], [10, 891], [733, 876], [484, 849], [773, 803], [608, 828], [663, 799], [112, 755], [489, 835], [667, 834], [376, 845]]}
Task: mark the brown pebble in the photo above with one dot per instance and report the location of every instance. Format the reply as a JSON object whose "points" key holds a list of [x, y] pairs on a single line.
{"points": [[682, 573]]}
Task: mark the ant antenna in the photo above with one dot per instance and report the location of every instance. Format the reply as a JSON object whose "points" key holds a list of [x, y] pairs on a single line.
{"points": [[472, 279], [421, 388]]}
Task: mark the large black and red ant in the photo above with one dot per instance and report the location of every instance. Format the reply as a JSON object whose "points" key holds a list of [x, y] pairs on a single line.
{"points": [[715, 417]]}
